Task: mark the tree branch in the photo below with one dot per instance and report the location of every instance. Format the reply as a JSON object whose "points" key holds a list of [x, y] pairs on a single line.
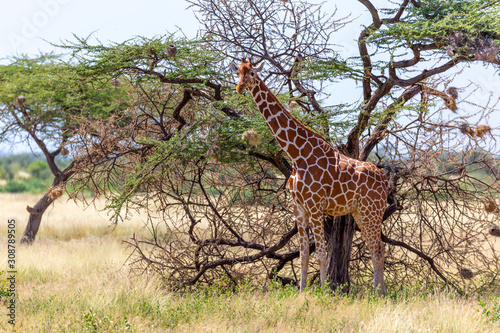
{"points": [[373, 11], [32, 132], [398, 15], [416, 49], [250, 258], [390, 113], [363, 49], [177, 110], [426, 73], [422, 255]]}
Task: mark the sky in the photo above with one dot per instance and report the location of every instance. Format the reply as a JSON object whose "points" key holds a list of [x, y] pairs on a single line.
{"points": [[27, 27]]}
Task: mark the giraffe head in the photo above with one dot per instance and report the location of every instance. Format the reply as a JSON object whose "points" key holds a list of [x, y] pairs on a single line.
{"points": [[246, 73]]}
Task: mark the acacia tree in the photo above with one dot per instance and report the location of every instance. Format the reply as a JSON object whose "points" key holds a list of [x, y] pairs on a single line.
{"points": [[200, 160], [39, 98], [413, 47]]}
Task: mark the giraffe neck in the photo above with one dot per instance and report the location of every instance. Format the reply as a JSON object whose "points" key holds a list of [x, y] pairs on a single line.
{"points": [[290, 133]]}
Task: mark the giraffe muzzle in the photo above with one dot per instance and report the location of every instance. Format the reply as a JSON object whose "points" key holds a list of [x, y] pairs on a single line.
{"points": [[240, 88]]}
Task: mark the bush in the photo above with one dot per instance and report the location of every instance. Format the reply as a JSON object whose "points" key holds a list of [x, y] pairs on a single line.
{"points": [[39, 169], [14, 186], [30, 185]]}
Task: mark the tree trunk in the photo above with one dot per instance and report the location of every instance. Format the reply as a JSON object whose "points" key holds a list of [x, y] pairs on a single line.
{"points": [[54, 192], [339, 232], [35, 218]]}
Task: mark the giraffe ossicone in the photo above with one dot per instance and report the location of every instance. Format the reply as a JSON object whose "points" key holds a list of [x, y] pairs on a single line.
{"points": [[323, 181]]}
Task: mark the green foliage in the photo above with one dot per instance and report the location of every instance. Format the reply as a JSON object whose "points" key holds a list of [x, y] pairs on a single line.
{"points": [[55, 95], [29, 185], [490, 308], [93, 322], [333, 69], [10, 165], [4, 290], [433, 20], [39, 175], [52, 89], [144, 56], [39, 169], [14, 186]]}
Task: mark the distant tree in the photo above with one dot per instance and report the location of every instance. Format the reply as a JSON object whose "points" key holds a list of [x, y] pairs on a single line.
{"points": [[39, 100], [39, 169]]}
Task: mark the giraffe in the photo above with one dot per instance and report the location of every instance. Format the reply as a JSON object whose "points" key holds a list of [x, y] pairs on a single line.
{"points": [[323, 181]]}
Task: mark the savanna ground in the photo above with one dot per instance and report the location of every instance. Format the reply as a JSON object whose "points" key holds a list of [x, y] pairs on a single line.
{"points": [[75, 278]]}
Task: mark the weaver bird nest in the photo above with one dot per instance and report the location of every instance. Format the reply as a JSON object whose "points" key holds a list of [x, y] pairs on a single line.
{"points": [[451, 104], [466, 273], [56, 191], [115, 82], [21, 100], [171, 50], [453, 92], [64, 151], [494, 230], [490, 206], [466, 129], [479, 131], [482, 130], [449, 97], [450, 101], [213, 153], [293, 105], [251, 136]]}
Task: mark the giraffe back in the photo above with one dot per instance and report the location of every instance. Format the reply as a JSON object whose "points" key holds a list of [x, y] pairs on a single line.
{"points": [[335, 184]]}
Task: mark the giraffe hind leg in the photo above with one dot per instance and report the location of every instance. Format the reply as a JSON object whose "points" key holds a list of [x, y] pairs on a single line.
{"points": [[371, 229]]}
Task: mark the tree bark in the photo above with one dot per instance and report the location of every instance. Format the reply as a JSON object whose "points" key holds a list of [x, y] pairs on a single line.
{"points": [[36, 213], [339, 232], [35, 218]]}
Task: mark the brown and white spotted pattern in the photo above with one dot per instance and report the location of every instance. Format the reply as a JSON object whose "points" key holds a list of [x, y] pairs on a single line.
{"points": [[323, 181]]}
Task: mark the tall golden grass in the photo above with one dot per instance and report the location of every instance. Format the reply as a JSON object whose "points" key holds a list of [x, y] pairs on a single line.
{"points": [[75, 278]]}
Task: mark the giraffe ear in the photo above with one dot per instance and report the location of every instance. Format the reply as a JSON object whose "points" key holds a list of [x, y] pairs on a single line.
{"points": [[258, 68], [233, 67]]}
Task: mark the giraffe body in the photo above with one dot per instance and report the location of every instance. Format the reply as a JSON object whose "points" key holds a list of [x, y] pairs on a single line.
{"points": [[323, 181]]}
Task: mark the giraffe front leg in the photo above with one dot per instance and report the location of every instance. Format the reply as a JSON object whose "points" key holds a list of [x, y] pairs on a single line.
{"points": [[316, 223], [302, 222]]}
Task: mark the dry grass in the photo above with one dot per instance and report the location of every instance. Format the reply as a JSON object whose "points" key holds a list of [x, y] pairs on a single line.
{"points": [[64, 220], [73, 279]]}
